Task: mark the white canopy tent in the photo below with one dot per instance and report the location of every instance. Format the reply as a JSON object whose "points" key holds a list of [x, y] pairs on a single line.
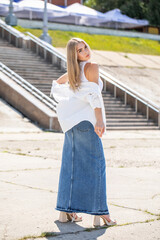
{"points": [[115, 19], [84, 15], [34, 10], [81, 10], [74, 14]]}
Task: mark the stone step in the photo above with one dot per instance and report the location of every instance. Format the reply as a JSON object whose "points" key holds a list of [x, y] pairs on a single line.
{"points": [[131, 116], [109, 120], [109, 97], [130, 124], [110, 101], [115, 127], [28, 61], [22, 65], [119, 110], [117, 105], [40, 74], [117, 113]]}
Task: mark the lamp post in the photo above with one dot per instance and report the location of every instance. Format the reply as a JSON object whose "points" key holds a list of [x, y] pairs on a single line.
{"points": [[45, 36], [11, 18]]}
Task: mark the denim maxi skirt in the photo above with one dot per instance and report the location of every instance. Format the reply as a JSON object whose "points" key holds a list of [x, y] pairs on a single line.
{"points": [[82, 180]]}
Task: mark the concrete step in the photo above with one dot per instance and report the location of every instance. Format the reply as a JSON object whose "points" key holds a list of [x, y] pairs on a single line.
{"points": [[40, 74], [115, 127], [108, 98], [22, 66], [110, 101], [20, 61], [119, 110], [130, 123], [117, 120], [131, 116], [118, 106]]}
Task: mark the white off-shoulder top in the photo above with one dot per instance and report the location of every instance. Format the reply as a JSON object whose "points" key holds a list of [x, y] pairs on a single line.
{"points": [[74, 107]]}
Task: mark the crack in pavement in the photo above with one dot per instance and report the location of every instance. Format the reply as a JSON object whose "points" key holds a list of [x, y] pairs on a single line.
{"points": [[53, 234], [21, 185], [23, 154], [51, 191], [28, 169], [140, 210]]}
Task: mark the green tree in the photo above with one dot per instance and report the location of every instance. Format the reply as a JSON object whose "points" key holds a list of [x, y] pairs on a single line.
{"points": [[153, 13]]}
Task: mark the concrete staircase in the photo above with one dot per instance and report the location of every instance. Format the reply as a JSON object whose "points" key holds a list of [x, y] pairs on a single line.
{"points": [[40, 74], [123, 117], [31, 67]]}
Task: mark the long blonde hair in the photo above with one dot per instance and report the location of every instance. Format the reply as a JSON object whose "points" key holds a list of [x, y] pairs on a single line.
{"points": [[73, 68]]}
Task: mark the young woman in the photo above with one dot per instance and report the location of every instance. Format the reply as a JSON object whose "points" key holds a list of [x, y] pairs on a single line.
{"points": [[82, 181]]}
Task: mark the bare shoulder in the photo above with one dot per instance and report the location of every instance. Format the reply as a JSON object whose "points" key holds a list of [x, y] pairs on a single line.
{"points": [[92, 66], [92, 72]]}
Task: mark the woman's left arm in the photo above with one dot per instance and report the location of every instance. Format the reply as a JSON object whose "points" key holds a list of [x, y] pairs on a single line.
{"points": [[63, 79]]}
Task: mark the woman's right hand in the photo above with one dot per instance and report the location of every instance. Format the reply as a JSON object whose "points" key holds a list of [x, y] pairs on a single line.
{"points": [[99, 128]]}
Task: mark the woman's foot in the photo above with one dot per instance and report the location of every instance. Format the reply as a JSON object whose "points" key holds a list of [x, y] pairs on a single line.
{"points": [[106, 218], [108, 221], [73, 217], [65, 217]]}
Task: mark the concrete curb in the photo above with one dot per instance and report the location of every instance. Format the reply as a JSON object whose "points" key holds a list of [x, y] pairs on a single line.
{"points": [[27, 104]]}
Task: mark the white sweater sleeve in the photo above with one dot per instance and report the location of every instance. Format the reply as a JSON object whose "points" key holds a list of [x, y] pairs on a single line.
{"points": [[60, 92], [91, 93], [94, 100]]}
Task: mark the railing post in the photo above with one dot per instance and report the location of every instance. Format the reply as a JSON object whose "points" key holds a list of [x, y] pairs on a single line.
{"points": [[2, 32], [17, 42], [54, 59], [125, 98], [9, 37], [37, 48], [62, 65], [45, 53], [147, 111], [115, 91], [136, 107], [29, 45], [159, 119], [104, 85]]}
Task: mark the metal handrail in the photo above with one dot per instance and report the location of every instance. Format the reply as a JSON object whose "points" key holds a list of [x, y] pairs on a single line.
{"points": [[128, 90], [10, 29], [47, 46], [29, 87], [104, 75]]}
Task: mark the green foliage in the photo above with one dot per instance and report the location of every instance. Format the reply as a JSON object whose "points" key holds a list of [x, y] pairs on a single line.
{"points": [[102, 42], [154, 12]]}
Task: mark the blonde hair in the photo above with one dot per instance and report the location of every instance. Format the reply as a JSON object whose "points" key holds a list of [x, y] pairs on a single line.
{"points": [[73, 68]]}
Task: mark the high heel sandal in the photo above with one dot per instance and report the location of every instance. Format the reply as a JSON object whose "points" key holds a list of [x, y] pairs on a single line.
{"points": [[65, 217], [96, 221]]}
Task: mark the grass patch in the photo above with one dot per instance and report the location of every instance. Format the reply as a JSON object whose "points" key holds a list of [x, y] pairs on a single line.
{"points": [[101, 42]]}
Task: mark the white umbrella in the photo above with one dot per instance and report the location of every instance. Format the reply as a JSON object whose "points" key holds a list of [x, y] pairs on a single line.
{"points": [[34, 10], [85, 15], [81, 10], [119, 20]]}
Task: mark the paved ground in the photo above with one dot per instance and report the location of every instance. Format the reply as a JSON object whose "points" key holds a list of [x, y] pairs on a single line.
{"points": [[29, 171], [139, 72]]}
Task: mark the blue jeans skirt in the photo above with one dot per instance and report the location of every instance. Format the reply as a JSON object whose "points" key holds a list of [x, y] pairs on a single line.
{"points": [[82, 180]]}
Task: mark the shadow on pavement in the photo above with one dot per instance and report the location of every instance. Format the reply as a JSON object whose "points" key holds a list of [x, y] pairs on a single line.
{"points": [[70, 228]]}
